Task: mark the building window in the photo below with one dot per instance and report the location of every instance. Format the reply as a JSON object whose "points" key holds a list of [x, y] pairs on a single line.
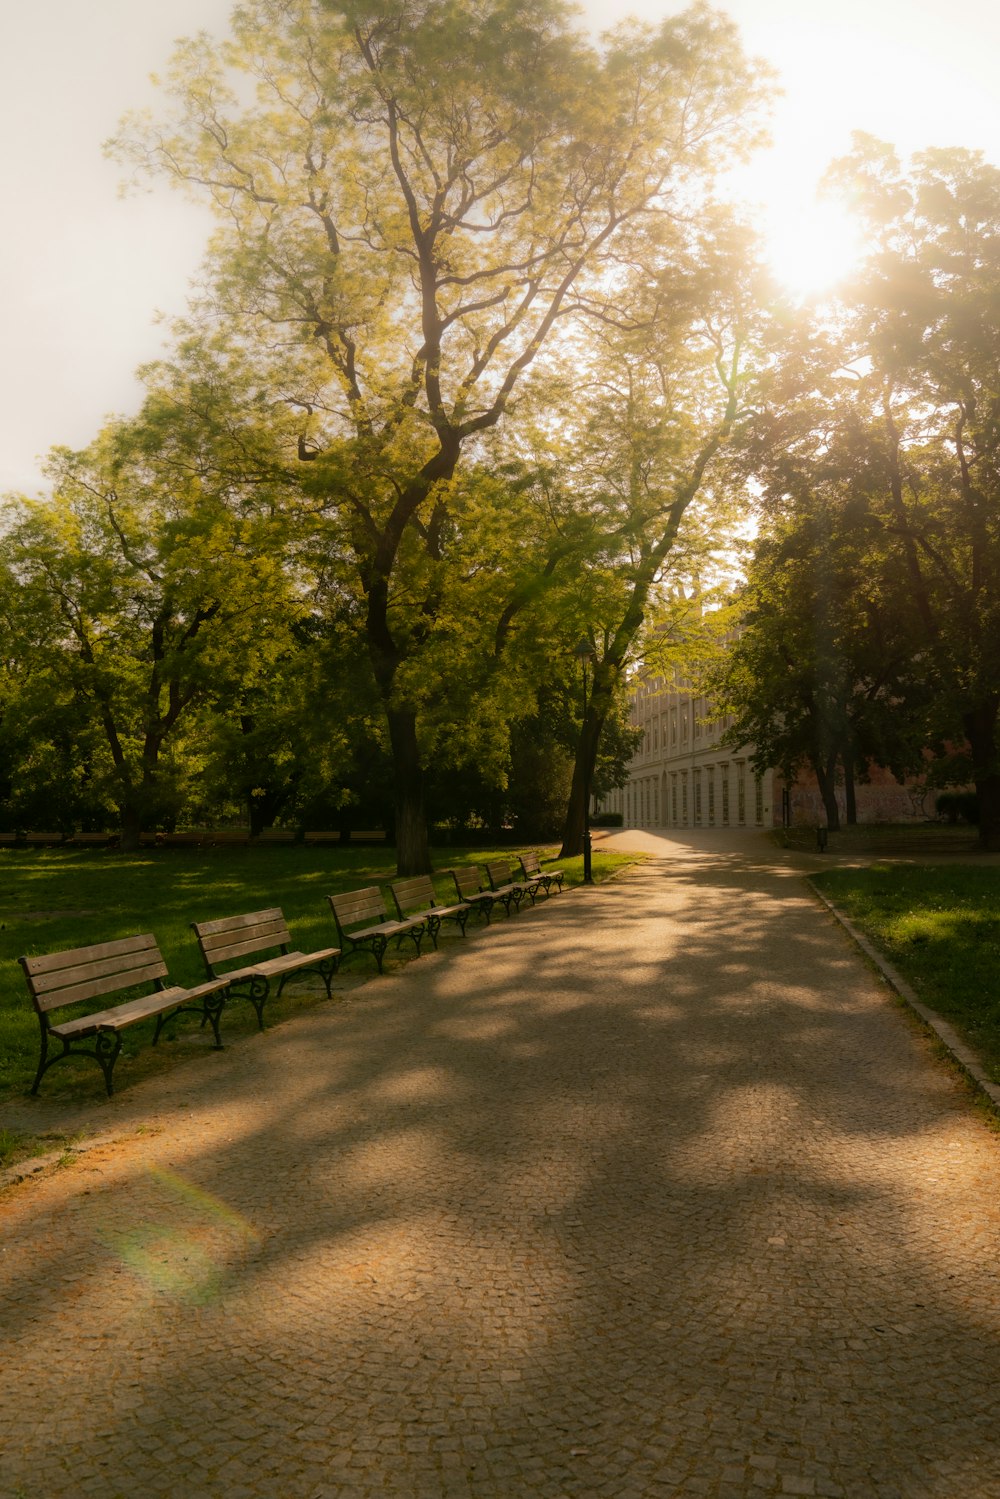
{"points": [[673, 726], [684, 797], [724, 775], [673, 797], [710, 775], [741, 792], [758, 800], [697, 797]]}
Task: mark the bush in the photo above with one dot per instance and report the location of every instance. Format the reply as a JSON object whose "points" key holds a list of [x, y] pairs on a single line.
{"points": [[958, 806], [606, 820]]}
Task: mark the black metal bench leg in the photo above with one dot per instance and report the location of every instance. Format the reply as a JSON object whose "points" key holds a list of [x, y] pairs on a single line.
{"points": [[214, 1005], [256, 994], [327, 969], [42, 1060], [106, 1051]]}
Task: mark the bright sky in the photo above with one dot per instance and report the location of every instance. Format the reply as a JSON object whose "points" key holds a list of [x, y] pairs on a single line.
{"points": [[83, 273]]}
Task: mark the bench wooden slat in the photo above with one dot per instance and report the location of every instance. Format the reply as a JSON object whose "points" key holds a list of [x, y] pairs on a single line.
{"points": [[284, 963], [358, 905], [234, 923], [98, 983], [251, 939], [120, 1016], [45, 962], [230, 951], [416, 887]]}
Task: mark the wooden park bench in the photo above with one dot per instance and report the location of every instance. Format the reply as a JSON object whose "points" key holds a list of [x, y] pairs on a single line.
{"points": [[353, 907], [234, 937], [534, 874], [68, 979], [469, 890], [505, 887], [416, 896]]}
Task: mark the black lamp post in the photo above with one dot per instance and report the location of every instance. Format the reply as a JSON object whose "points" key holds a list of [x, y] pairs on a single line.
{"points": [[584, 652]]}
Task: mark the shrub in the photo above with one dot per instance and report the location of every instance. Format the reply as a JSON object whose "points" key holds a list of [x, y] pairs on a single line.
{"points": [[958, 806]]}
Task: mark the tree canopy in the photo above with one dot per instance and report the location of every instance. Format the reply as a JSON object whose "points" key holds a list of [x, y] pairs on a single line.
{"points": [[413, 199]]}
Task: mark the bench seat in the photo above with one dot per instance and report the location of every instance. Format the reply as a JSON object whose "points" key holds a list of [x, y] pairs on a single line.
{"points": [[120, 1017], [287, 964]]}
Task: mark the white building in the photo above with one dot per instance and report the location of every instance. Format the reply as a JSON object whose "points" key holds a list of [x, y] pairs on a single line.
{"points": [[681, 776]]}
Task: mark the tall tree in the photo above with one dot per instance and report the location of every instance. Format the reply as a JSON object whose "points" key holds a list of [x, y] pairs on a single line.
{"points": [[657, 392], [156, 579], [818, 667], [895, 387], [418, 200]]}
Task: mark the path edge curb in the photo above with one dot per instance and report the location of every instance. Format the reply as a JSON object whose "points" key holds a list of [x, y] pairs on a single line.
{"points": [[946, 1034]]}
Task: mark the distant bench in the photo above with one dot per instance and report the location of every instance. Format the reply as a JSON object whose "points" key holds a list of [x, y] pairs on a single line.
{"points": [[259, 932], [62, 980], [534, 874], [364, 923], [506, 887], [417, 897]]}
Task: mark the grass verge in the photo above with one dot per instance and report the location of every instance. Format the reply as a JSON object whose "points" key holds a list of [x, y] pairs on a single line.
{"points": [[919, 840], [940, 926], [53, 899]]}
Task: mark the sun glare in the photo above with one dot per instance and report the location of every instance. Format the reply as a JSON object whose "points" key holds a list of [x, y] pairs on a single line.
{"points": [[811, 245]]}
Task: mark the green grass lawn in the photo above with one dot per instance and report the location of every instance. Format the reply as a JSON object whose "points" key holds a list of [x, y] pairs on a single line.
{"points": [[52, 899], [940, 926]]}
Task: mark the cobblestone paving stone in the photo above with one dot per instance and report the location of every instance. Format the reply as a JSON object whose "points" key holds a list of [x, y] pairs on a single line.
{"points": [[651, 1191]]}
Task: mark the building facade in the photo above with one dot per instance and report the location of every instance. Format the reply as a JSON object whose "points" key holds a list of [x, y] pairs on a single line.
{"points": [[683, 777]]}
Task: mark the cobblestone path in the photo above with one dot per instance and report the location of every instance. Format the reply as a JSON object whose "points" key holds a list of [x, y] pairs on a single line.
{"points": [[649, 1191]]}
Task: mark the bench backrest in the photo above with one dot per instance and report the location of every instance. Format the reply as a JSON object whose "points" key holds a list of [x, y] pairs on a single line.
{"points": [[467, 880], [417, 891], [500, 873], [531, 864], [234, 937], [65, 978], [351, 907]]}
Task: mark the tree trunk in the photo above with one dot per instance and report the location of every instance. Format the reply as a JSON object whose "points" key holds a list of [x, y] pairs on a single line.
{"points": [[583, 777], [826, 777], [850, 796], [258, 815], [131, 830], [988, 796], [412, 848], [981, 731]]}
